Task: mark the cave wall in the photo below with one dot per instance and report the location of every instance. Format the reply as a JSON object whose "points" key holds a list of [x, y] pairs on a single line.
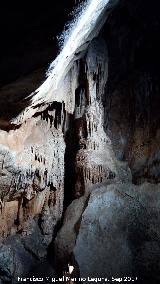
{"points": [[132, 93], [81, 154]]}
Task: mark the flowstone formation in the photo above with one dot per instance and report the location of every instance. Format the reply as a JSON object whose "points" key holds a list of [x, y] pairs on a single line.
{"points": [[95, 160], [67, 166]]}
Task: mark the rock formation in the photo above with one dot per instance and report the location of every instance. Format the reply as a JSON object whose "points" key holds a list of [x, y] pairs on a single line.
{"points": [[79, 166]]}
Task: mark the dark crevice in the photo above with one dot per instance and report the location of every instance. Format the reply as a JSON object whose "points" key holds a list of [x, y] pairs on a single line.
{"points": [[72, 142], [72, 139]]}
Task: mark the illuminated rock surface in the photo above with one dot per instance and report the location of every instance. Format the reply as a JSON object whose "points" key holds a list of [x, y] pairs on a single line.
{"points": [[68, 161]]}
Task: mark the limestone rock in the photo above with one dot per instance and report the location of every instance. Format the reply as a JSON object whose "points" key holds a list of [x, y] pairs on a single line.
{"points": [[22, 254], [119, 232], [66, 237]]}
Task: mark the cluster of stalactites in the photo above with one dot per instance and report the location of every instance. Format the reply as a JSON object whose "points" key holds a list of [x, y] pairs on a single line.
{"points": [[95, 174], [97, 74], [46, 161], [44, 158], [36, 152], [65, 94], [80, 108], [95, 159], [97, 69]]}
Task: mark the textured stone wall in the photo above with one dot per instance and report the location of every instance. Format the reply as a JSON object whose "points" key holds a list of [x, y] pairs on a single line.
{"points": [[69, 165]]}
